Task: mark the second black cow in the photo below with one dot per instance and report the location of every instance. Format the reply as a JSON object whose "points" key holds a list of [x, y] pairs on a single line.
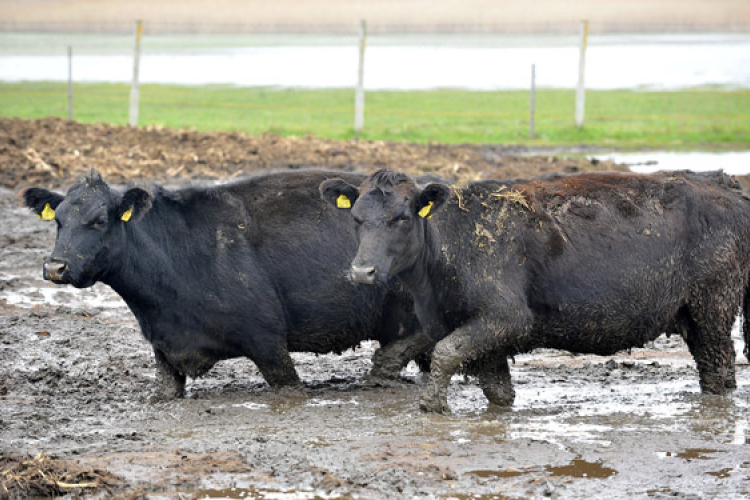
{"points": [[591, 263]]}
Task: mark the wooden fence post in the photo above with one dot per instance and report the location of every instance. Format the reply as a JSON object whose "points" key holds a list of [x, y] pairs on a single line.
{"points": [[532, 103], [134, 90], [359, 94], [70, 82], [581, 91]]}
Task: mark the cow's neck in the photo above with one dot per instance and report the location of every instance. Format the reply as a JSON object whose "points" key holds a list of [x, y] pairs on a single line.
{"points": [[146, 275], [426, 280]]}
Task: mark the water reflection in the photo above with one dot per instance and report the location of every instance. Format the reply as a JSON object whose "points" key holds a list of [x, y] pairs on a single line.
{"points": [[733, 163]]}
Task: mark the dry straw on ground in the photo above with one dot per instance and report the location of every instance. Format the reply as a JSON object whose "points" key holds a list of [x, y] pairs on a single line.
{"points": [[42, 476], [53, 152]]}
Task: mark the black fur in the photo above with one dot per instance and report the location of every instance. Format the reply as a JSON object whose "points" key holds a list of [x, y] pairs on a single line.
{"points": [[590, 263], [254, 268]]}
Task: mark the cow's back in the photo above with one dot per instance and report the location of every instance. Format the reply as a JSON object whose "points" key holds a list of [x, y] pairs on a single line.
{"points": [[604, 261]]}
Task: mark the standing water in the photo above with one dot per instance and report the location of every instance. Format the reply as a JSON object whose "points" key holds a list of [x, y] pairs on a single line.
{"points": [[405, 62]]}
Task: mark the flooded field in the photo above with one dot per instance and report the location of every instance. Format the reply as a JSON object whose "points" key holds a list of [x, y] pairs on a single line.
{"points": [[407, 62], [76, 376]]}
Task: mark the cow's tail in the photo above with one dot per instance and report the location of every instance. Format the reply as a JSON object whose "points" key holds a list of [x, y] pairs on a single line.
{"points": [[746, 322]]}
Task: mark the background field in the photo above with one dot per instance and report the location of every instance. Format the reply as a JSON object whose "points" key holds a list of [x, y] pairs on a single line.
{"points": [[695, 119], [383, 15]]}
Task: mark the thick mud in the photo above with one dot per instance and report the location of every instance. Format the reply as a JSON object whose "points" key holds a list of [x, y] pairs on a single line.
{"points": [[76, 375]]}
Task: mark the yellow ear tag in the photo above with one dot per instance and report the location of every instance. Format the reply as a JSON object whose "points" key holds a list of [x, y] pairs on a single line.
{"points": [[425, 210], [48, 213], [127, 214], [343, 202]]}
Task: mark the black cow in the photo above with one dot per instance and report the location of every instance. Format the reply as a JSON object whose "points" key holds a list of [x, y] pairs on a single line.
{"points": [[591, 263], [252, 268]]}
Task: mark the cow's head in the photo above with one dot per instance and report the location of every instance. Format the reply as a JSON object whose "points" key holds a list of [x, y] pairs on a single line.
{"points": [[91, 221], [391, 214]]}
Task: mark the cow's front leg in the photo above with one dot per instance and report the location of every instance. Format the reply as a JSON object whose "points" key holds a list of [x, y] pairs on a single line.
{"points": [[170, 383], [461, 346], [272, 358]]}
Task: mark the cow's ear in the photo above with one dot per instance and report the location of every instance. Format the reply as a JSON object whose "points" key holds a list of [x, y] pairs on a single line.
{"points": [[42, 202], [135, 203], [432, 199], [339, 193]]}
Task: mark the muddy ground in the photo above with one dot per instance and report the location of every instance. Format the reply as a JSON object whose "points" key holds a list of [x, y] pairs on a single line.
{"points": [[75, 376]]}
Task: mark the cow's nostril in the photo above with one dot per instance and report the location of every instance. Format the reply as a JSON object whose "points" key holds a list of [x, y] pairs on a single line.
{"points": [[54, 270]]}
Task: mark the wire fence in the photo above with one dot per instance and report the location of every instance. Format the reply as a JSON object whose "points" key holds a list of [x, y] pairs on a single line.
{"points": [[473, 113]]}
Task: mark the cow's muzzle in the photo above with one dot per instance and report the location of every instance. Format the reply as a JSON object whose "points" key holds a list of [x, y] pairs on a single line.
{"points": [[366, 275], [56, 271]]}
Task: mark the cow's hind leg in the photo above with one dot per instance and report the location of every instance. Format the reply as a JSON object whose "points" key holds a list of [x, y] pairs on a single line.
{"points": [[709, 339], [170, 383], [493, 374]]}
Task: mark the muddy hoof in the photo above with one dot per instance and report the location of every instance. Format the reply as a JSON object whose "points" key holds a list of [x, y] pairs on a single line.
{"points": [[502, 403], [434, 406], [378, 381], [291, 389], [720, 391], [501, 399], [384, 373], [162, 396], [718, 386]]}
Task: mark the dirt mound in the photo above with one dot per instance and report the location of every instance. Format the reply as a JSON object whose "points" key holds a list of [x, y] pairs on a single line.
{"points": [[53, 151]]}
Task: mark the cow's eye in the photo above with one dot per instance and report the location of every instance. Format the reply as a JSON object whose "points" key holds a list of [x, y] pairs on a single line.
{"points": [[357, 220], [100, 221], [404, 217]]}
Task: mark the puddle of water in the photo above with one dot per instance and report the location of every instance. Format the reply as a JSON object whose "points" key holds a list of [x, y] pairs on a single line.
{"points": [[332, 402], [723, 473], [459, 436], [689, 454], [227, 486], [250, 405], [576, 468], [502, 474], [552, 429], [733, 163], [263, 494], [582, 468], [99, 298]]}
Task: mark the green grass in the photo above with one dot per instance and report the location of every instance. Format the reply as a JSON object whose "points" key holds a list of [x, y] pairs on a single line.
{"points": [[690, 119]]}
